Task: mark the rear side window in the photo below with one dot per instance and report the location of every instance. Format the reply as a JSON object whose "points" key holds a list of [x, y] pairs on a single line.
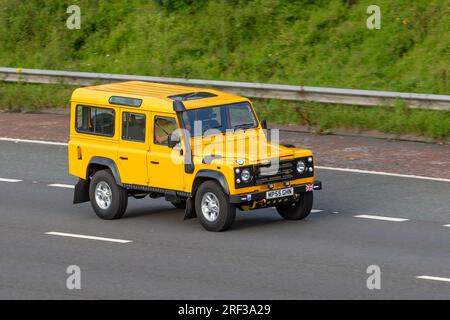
{"points": [[133, 127], [95, 120]]}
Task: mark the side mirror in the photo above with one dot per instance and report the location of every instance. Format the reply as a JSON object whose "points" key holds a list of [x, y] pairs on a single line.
{"points": [[264, 124], [173, 140]]}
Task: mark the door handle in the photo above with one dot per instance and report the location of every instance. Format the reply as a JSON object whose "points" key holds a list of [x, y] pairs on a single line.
{"points": [[123, 158], [154, 162]]}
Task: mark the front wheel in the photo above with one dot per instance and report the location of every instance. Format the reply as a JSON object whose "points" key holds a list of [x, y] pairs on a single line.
{"points": [[108, 200], [213, 209], [298, 210]]}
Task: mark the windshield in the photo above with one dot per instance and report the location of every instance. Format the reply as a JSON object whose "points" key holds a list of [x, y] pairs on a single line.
{"points": [[220, 118]]}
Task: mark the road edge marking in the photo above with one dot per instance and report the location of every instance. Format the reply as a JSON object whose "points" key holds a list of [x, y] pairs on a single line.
{"points": [[35, 141], [383, 218], [81, 236], [425, 277], [381, 173]]}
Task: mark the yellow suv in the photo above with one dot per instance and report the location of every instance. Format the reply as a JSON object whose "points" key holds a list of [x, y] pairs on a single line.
{"points": [[203, 150]]}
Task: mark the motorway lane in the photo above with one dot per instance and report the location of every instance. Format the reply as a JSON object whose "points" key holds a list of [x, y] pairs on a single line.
{"points": [[343, 192], [263, 256], [34, 162]]}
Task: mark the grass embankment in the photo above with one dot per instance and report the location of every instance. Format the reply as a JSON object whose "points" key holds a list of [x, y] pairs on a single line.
{"points": [[315, 43]]}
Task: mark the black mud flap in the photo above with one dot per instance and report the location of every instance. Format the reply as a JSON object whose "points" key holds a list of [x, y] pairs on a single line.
{"points": [[81, 193], [190, 209]]}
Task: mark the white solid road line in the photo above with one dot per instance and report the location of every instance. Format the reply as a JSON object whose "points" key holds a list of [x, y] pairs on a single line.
{"points": [[59, 185], [316, 211], [446, 225], [71, 235], [34, 141], [380, 173], [9, 180], [368, 216], [434, 278]]}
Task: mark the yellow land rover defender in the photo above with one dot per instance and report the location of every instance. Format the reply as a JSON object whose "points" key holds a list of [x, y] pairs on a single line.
{"points": [[203, 150]]}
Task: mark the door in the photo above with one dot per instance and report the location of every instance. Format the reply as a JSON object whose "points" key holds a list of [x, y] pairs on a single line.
{"points": [[166, 165], [133, 147]]}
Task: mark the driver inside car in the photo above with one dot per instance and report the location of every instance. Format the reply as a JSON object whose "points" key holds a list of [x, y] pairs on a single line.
{"points": [[163, 129]]}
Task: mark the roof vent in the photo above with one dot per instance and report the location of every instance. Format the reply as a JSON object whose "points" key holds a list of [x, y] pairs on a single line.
{"points": [[192, 96]]}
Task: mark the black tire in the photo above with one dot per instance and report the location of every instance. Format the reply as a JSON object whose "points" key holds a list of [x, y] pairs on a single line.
{"points": [[227, 211], [298, 210], [119, 200], [181, 204]]}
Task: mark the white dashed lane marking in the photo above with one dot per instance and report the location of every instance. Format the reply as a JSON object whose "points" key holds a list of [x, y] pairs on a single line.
{"points": [[9, 180], [81, 236], [59, 185], [363, 216], [391, 219], [434, 278]]}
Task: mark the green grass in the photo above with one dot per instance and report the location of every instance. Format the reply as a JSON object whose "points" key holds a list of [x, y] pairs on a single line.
{"points": [[25, 97], [323, 118], [302, 42]]}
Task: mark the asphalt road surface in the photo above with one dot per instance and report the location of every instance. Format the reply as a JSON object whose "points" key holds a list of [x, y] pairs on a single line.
{"points": [[262, 257]]}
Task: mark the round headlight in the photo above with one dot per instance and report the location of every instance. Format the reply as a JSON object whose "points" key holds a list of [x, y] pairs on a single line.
{"points": [[301, 167], [246, 175]]}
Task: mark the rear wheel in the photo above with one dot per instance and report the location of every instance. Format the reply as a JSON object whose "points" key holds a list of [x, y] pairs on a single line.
{"points": [[108, 200], [213, 209], [298, 210]]}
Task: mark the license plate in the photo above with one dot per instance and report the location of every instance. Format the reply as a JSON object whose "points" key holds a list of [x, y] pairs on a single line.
{"points": [[279, 193]]}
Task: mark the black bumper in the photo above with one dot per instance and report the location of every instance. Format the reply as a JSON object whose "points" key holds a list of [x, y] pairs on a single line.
{"points": [[258, 196]]}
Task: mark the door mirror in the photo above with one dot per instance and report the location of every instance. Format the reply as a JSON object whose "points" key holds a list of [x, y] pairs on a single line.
{"points": [[173, 140], [264, 124]]}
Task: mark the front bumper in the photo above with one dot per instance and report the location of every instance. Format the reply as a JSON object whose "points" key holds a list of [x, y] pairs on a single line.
{"points": [[261, 196]]}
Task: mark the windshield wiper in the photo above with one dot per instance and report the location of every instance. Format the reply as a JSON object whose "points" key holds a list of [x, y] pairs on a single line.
{"points": [[244, 126]]}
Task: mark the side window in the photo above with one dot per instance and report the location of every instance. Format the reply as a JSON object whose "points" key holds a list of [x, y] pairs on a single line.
{"points": [[164, 126], [95, 120], [133, 126]]}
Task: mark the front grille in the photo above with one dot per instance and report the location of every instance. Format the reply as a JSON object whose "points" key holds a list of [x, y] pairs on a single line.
{"points": [[265, 173], [270, 173], [286, 170]]}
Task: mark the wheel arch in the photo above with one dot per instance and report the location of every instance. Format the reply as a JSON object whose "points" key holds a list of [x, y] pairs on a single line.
{"points": [[204, 175], [101, 163]]}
